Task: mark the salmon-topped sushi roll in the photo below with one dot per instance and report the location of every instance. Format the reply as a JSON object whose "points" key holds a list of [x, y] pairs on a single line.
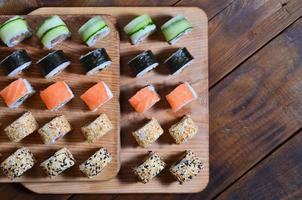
{"points": [[56, 95], [180, 96], [97, 95], [144, 99], [16, 92]]}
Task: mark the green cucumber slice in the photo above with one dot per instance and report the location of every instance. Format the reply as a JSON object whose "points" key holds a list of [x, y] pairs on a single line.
{"points": [[140, 35], [92, 26], [137, 24], [175, 27], [49, 23], [14, 31], [97, 35], [55, 36]]}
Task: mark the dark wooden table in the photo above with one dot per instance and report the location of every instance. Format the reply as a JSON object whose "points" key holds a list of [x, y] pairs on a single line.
{"points": [[255, 50]]}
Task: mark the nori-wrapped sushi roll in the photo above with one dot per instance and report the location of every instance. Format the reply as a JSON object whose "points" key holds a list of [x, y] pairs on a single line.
{"points": [[143, 63], [16, 62], [53, 63], [179, 60], [14, 31], [95, 61]]}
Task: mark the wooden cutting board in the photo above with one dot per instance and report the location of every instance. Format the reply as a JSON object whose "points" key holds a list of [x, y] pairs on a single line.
{"points": [[131, 154], [76, 112]]}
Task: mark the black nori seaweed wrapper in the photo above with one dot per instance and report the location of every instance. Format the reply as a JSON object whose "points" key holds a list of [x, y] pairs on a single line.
{"points": [[142, 61], [52, 61], [94, 59], [178, 59], [15, 60]]}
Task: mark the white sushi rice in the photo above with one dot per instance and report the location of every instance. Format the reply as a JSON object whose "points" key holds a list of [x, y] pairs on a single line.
{"points": [[147, 70], [97, 68], [19, 69], [30, 91], [138, 37], [57, 40], [57, 70], [22, 35], [180, 36], [109, 94], [66, 101], [98, 35]]}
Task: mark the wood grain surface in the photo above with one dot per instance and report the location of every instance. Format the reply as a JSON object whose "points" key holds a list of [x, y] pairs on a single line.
{"points": [[197, 74], [76, 111]]}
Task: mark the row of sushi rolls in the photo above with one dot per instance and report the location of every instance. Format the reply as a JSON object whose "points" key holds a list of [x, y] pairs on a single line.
{"points": [[52, 31]]}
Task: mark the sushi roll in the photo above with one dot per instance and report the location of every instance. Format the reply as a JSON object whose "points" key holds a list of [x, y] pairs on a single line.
{"points": [[16, 62], [22, 127], [148, 134], [95, 61], [56, 95], [140, 28], [144, 99], [54, 130], [184, 130], [176, 28], [52, 31], [18, 163], [93, 30], [181, 96], [96, 163], [188, 166], [143, 63], [14, 31], [97, 95], [97, 129], [179, 60], [53, 63], [149, 168], [16, 92], [59, 162]]}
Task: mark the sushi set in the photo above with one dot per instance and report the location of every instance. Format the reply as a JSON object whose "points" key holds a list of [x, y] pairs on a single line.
{"points": [[59, 91], [164, 104]]}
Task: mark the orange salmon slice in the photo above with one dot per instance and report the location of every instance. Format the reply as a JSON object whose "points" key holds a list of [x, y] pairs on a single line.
{"points": [[144, 99], [56, 95], [180, 96], [14, 91], [97, 95]]}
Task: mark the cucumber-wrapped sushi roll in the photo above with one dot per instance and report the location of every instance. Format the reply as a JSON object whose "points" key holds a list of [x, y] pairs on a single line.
{"points": [[140, 28], [95, 61], [52, 31], [53, 63], [14, 31], [176, 28], [16, 62], [93, 30], [143, 63]]}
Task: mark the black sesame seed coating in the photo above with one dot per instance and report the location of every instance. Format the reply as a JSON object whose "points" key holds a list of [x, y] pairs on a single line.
{"points": [[94, 59], [142, 61], [15, 60]]}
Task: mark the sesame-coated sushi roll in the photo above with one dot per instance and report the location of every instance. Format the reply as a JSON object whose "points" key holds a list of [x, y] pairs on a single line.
{"points": [[144, 99], [149, 168], [22, 127], [179, 60], [16, 62], [176, 28], [53, 63], [59, 162], [140, 28], [96, 163], [54, 130], [143, 63], [14, 31], [52, 31], [93, 30], [97, 95], [97, 129], [181, 96], [148, 134], [183, 130], [95, 61], [188, 166], [56, 95], [18, 163], [16, 92]]}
